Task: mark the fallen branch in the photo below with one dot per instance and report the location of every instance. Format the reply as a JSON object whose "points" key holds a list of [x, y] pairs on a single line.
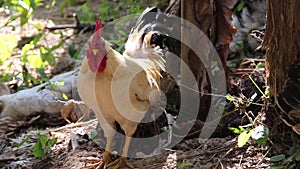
{"points": [[39, 99]]}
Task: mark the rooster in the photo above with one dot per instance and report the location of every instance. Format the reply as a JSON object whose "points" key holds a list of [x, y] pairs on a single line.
{"points": [[102, 81]]}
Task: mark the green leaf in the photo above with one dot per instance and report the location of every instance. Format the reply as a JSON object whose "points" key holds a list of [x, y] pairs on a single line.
{"points": [[12, 18], [243, 138], [35, 61], [46, 55], [136, 9], [24, 141], [25, 11], [37, 39], [24, 51], [63, 5], [240, 6], [261, 134], [185, 163], [51, 142], [229, 97], [59, 83], [242, 129], [93, 134], [104, 8], [213, 64], [235, 130], [74, 53], [41, 71], [277, 158], [291, 158], [34, 80], [39, 26], [294, 150], [64, 96], [43, 139], [8, 43], [73, 2], [42, 87], [53, 48], [261, 65], [6, 78], [38, 150]]}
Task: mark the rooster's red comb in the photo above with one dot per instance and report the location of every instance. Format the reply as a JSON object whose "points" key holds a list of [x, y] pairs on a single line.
{"points": [[98, 24], [97, 34]]}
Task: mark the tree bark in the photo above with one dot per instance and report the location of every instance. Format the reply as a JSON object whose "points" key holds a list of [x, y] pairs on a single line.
{"points": [[213, 18], [281, 41]]}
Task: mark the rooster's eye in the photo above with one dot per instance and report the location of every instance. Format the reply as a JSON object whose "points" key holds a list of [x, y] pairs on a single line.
{"points": [[157, 40]]}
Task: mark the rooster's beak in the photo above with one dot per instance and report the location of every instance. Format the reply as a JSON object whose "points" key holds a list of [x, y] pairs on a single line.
{"points": [[95, 51]]}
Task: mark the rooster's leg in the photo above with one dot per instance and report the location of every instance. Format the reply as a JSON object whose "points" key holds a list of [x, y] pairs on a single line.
{"points": [[109, 132], [106, 156], [122, 161]]}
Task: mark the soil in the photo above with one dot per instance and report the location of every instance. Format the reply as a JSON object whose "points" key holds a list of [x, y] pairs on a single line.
{"points": [[75, 147]]}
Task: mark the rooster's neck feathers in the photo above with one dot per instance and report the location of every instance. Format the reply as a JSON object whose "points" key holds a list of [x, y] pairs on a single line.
{"points": [[148, 64]]}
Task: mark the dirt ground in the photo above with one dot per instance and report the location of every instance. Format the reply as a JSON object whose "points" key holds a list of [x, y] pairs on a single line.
{"points": [[75, 148]]}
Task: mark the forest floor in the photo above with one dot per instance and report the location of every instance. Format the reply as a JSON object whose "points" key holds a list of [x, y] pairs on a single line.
{"points": [[74, 147]]}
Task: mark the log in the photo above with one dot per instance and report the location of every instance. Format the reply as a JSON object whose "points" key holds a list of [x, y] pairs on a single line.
{"points": [[39, 99]]}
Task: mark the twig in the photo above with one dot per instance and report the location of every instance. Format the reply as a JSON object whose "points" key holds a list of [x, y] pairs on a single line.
{"points": [[72, 125], [220, 160], [5, 159], [241, 159], [263, 157], [257, 35], [66, 26]]}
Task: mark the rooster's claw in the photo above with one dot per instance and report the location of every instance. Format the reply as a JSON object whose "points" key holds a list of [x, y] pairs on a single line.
{"points": [[103, 164], [119, 163]]}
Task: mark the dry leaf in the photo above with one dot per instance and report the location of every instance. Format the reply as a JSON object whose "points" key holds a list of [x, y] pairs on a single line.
{"points": [[224, 17], [296, 128], [73, 110], [224, 29], [294, 115]]}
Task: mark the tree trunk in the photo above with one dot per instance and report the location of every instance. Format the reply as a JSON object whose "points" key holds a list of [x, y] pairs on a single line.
{"points": [[213, 18], [282, 41]]}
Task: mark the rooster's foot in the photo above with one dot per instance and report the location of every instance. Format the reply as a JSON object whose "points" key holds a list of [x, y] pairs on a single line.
{"points": [[120, 163], [103, 164]]}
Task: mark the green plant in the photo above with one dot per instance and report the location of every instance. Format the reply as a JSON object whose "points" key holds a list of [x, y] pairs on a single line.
{"points": [[258, 132], [42, 145], [122, 8], [37, 60], [241, 102], [282, 161], [54, 87], [93, 134], [33, 55], [8, 43], [73, 52], [84, 15], [21, 9], [185, 163], [24, 141]]}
